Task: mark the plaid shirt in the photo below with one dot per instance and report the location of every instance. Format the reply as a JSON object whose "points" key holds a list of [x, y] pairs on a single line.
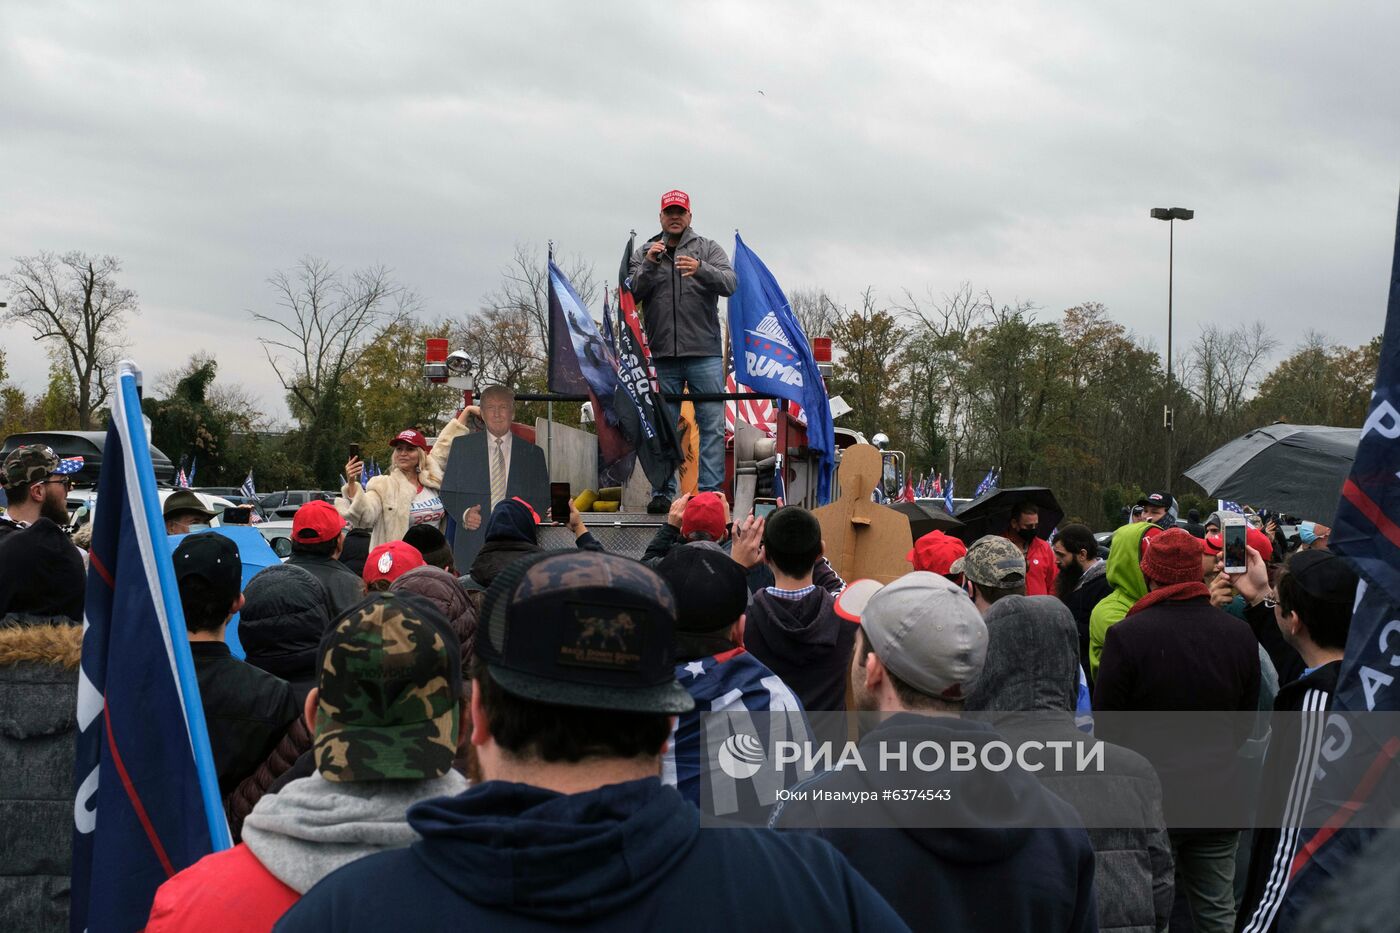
{"points": [[790, 594]]}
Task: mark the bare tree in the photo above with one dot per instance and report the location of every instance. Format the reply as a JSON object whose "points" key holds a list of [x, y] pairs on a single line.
{"points": [[325, 324], [815, 311], [524, 289], [942, 329], [1222, 367], [74, 301]]}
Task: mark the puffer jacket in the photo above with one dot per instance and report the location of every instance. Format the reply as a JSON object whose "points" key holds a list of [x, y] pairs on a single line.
{"points": [[286, 613], [385, 504], [1030, 682], [681, 314], [243, 798], [441, 589], [1129, 585], [38, 727]]}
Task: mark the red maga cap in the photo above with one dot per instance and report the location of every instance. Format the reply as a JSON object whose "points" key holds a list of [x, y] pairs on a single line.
{"points": [[410, 437], [675, 199], [317, 521]]}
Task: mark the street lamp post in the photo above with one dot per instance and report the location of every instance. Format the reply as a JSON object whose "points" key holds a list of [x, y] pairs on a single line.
{"points": [[1171, 215]]}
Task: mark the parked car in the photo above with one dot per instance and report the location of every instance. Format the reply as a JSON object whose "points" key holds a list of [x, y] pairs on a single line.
{"points": [[278, 533], [88, 445], [284, 504], [82, 503]]}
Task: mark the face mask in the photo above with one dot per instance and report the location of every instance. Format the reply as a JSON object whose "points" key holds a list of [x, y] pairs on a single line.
{"points": [[1166, 522], [196, 529], [1027, 534]]}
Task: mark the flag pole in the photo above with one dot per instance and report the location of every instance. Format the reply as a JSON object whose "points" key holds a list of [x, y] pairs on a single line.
{"points": [[176, 635], [549, 406]]}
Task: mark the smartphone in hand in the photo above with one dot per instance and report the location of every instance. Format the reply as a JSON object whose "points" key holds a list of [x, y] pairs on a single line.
{"points": [[559, 496]]}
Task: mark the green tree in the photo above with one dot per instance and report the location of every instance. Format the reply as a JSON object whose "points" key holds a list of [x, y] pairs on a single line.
{"points": [[385, 390], [868, 373]]}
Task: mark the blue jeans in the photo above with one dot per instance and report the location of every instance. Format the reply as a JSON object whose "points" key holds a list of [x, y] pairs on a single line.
{"points": [[701, 374]]}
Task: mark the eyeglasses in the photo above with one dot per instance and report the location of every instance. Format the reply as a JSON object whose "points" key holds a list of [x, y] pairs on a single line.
{"points": [[63, 481]]}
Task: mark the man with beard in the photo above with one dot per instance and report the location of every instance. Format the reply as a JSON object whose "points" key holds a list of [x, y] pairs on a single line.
{"points": [[36, 486], [1024, 532], [1082, 580]]}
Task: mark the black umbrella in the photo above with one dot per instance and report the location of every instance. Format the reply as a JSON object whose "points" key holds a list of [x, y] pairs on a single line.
{"points": [[927, 516], [991, 512], [1293, 468]]}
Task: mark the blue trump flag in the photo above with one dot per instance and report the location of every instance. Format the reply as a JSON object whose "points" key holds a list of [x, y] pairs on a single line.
{"points": [[147, 799], [771, 355], [1357, 784]]}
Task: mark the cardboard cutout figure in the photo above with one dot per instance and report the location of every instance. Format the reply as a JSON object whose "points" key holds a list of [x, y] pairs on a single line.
{"points": [[466, 482], [862, 538]]}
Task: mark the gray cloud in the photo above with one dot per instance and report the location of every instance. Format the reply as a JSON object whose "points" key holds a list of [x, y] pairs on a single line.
{"points": [[1014, 146]]}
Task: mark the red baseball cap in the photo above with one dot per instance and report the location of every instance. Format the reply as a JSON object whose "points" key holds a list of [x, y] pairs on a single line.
{"points": [[411, 437], [935, 552], [704, 512], [315, 522], [675, 199], [1253, 537], [391, 561]]}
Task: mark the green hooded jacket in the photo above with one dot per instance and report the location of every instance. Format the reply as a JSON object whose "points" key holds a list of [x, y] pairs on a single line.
{"points": [[1129, 585]]}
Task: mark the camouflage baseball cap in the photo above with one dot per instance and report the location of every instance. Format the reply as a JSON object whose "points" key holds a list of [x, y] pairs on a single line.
{"points": [[586, 629], [992, 561], [30, 464], [390, 692]]}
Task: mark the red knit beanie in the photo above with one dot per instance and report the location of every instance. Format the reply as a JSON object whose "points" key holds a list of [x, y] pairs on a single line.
{"points": [[1172, 557]]}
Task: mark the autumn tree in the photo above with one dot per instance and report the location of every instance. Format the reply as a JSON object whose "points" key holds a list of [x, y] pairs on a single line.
{"points": [[867, 372], [73, 301]]}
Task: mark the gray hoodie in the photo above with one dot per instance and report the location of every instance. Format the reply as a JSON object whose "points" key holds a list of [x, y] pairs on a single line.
{"points": [[314, 826], [1032, 666]]}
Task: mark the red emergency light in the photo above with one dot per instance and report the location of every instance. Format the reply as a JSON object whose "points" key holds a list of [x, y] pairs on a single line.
{"points": [[435, 359], [821, 349]]}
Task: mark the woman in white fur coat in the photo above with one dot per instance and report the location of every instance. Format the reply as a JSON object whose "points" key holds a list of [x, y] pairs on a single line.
{"points": [[407, 495]]}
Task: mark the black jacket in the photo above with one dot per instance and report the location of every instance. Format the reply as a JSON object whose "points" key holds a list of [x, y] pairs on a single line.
{"points": [[1001, 853], [1265, 627], [1294, 747], [1183, 655], [247, 711], [1092, 588], [282, 622], [343, 586], [805, 643]]}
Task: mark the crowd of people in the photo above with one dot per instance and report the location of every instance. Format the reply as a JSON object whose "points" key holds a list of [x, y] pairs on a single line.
{"points": [[440, 731], [519, 743]]}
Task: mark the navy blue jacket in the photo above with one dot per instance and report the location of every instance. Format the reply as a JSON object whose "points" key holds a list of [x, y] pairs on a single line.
{"points": [[1001, 853], [626, 856]]}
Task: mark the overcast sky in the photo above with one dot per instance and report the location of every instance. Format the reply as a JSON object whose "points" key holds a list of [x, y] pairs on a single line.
{"points": [[1017, 146]]}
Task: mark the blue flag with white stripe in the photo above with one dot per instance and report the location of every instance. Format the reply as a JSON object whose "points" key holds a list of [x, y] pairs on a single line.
{"points": [[248, 490], [147, 799], [948, 498], [772, 356]]}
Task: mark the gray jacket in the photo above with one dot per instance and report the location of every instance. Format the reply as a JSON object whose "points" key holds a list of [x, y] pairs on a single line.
{"points": [[681, 314], [1030, 680], [38, 727]]}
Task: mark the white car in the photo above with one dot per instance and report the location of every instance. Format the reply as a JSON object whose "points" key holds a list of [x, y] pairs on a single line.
{"points": [[80, 499]]}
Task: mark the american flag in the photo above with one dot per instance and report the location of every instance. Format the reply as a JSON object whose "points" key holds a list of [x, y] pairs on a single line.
{"points": [[938, 485], [989, 482], [1226, 505], [69, 465], [758, 412], [182, 480]]}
